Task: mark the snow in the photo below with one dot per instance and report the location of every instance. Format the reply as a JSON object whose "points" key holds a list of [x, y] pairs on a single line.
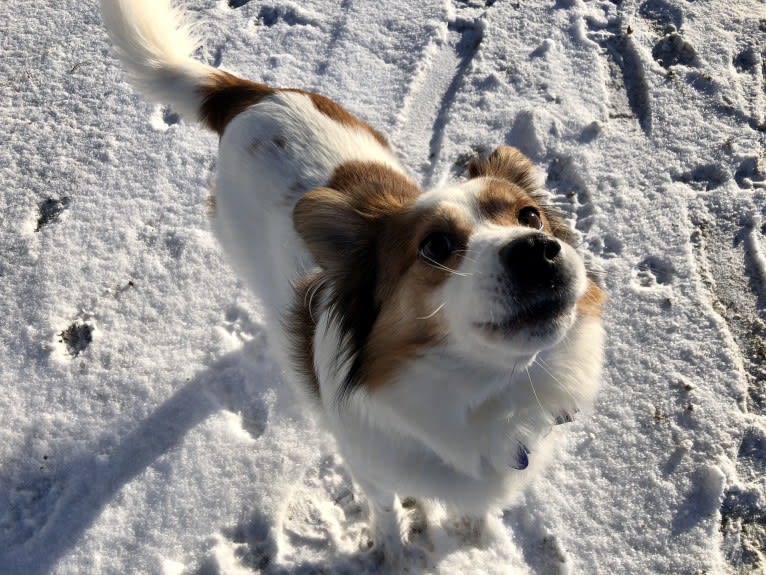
{"points": [[144, 425]]}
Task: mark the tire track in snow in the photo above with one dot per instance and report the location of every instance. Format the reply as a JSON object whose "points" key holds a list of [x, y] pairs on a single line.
{"points": [[750, 66], [469, 34], [432, 92], [336, 33], [628, 89], [736, 283]]}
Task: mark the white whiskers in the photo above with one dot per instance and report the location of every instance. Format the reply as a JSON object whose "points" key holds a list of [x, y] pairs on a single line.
{"points": [[445, 268], [433, 313], [463, 253], [541, 364], [532, 385]]}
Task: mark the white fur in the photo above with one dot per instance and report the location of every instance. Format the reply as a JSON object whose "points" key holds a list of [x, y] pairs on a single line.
{"points": [[154, 45], [450, 424]]}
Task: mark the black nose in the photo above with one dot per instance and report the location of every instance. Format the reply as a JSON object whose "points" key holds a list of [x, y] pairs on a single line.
{"points": [[532, 262]]}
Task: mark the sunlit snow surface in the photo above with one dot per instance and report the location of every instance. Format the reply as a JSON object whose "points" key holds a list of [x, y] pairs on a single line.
{"points": [[143, 424]]}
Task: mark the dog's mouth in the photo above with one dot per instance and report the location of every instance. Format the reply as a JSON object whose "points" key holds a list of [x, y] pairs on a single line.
{"points": [[538, 319]]}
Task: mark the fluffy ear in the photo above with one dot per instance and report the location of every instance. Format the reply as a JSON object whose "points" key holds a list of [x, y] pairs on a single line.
{"points": [[509, 164], [330, 226], [338, 223]]}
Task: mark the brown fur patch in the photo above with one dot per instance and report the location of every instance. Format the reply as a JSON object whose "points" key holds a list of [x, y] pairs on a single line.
{"points": [[507, 163], [336, 221], [409, 320], [592, 301], [341, 115], [225, 95], [406, 327], [375, 188], [301, 327], [399, 243], [342, 225]]}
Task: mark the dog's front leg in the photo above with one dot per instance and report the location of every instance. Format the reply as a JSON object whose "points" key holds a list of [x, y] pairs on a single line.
{"points": [[385, 527]]}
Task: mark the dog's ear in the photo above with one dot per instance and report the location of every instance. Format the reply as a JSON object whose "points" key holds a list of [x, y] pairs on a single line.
{"points": [[330, 226], [509, 164], [339, 223]]}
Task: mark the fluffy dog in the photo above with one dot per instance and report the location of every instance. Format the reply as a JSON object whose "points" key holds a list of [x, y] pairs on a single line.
{"points": [[439, 335]]}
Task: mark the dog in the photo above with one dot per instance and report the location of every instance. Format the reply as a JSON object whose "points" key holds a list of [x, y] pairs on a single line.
{"points": [[439, 335]]}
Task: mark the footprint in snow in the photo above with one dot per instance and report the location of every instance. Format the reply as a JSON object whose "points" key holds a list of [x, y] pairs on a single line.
{"points": [[76, 338], [662, 14], [271, 16], [654, 271], [49, 211], [703, 177], [164, 118], [673, 49]]}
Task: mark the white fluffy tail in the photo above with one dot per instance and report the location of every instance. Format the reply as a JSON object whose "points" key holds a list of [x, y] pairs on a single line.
{"points": [[155, 47]]}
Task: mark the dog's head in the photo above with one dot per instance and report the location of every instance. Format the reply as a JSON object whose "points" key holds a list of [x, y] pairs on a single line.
{"points": [[484, 268]]}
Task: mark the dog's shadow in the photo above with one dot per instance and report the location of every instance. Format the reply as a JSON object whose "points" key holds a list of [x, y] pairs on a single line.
{"points": [[68, 503]]}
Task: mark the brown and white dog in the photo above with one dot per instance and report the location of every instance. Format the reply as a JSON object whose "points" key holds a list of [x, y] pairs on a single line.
{"points": [[439, 335]]}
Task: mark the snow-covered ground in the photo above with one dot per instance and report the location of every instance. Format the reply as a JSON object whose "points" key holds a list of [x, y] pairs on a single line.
{"points": [[143, 424]]}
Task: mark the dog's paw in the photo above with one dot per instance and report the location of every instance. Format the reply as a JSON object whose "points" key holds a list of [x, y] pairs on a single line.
{"points": [[416, 515], [384, 538], [399, 542], [386, 551]]}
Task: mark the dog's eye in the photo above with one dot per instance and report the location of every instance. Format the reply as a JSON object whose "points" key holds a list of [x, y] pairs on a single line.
{"points": [[437, 247], [530, 217]]}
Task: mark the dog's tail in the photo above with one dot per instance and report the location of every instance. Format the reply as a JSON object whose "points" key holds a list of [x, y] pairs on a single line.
{"points": [[155, 46]]}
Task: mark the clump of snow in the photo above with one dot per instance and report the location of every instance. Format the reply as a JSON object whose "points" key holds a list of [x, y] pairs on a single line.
{"points": [[145, 427]]}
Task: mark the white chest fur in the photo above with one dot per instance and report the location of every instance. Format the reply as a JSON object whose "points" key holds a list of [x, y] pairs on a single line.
{"points": [[453, 430]]}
